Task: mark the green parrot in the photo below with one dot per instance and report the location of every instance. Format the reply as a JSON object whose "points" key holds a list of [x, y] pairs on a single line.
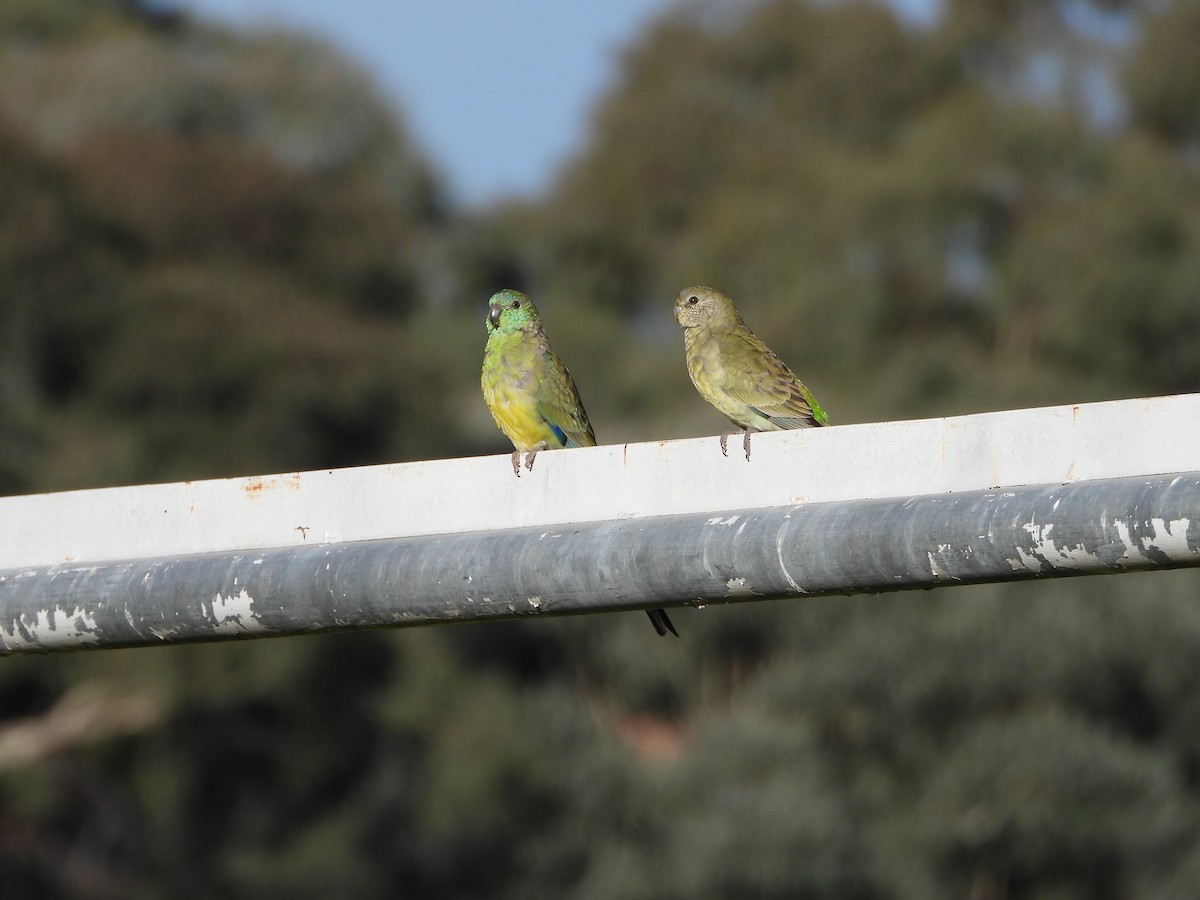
{"points": [[527, 389], [737, 373], [530, 394]]}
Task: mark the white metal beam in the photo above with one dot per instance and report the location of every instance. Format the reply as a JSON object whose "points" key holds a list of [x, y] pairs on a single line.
{"points": [[1089, 489], [1054, 445]]}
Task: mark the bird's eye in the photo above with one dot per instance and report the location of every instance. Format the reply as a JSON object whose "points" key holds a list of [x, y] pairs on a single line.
{"points": [[693, 300], [516, 304]]}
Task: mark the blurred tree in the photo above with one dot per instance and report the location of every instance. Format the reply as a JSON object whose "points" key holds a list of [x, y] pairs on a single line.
{"points": [[1162, 77], [868, 190], [211, 216]]}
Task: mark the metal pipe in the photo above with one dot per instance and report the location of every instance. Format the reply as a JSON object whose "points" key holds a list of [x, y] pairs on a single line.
{"points": [[1092, 527]]}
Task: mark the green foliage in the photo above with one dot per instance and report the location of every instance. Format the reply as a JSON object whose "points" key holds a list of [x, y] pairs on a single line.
{"points": [[1162, 78], [895, 197], [221, 254]]}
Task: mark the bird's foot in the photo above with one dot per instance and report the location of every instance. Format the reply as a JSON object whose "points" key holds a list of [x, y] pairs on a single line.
{"points": [[532, 454], [746, 441], [516, 461]]}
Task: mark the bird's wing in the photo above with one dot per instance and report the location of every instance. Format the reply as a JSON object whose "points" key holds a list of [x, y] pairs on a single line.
{"points": [[763, 382], [559, 404]]}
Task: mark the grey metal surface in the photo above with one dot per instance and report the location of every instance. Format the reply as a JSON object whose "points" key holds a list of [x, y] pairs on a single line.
{"points": [[1093, 527]]}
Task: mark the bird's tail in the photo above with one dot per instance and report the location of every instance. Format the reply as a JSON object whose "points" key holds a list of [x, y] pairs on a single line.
{"points": [[660, 621]]}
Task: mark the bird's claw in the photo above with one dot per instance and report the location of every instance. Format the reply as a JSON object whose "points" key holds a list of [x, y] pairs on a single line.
{"points": [[529, 457], [516, 463], [746, 441]]}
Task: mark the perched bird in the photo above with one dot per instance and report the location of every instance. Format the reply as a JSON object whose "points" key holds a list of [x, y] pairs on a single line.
{"points": [[527, 389], [530, 394], [737, 373]]}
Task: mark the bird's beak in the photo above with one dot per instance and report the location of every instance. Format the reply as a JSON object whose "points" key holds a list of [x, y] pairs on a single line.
{"points": [[494, 316]]}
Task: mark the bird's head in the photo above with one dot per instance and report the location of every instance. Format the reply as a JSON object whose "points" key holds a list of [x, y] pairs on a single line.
{"points": [[510, 311], [702, 306]]}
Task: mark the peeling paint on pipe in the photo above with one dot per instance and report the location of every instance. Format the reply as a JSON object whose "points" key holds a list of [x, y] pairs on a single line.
{"points": [[1092, 527]]}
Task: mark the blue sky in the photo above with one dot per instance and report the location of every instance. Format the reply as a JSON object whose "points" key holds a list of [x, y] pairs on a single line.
{"points": [[497, 93]]}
